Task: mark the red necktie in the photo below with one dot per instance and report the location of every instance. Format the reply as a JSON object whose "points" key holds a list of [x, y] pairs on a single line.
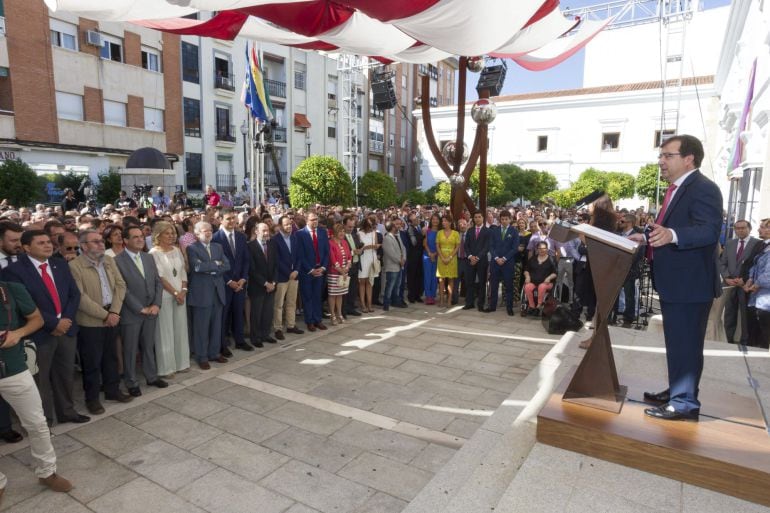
{"points": [[661, 215], [740, 252], [477, 232], [49, 284], [315, 248]]}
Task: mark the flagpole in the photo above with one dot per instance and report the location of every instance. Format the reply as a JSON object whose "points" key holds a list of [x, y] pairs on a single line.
{"points": [[251, 160]]}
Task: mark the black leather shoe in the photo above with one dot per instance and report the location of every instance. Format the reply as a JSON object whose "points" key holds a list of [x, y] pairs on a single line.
{"points": [[657, 398], [227, 353], [295, 330], [468, 307], [95, 407], [158, 383], [668, 412], [77, 419], [279, 335], [134, 392], [11, 436], [354, 313], [244, 347], [400, 305], [119, 397], [510, 311], [270, 340], [488, 310]]}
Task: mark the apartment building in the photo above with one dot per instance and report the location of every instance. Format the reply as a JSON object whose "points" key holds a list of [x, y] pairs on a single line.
{"points": [[79, 96]]}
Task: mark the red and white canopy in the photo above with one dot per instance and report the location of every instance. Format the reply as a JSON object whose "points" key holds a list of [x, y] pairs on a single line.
{"points": [[414, 31]]}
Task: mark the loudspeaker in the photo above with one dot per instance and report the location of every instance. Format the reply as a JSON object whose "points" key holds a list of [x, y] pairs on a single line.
{"points": [[384, 95], [492, 78]]}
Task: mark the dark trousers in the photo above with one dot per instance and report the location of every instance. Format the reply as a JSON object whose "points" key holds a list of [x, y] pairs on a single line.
{"points": [[139, 336], [476, 283], [56, 376], [461, 287], [5, 416], [414, 276], [629, 295], [310, 288], [377, 287], [207, 331], [261, 315], [684, 329], [390, 295], [352, 296], [763, 323], [232, 316], [585, 297], [498, 273], [99, 360], [735, 312]]}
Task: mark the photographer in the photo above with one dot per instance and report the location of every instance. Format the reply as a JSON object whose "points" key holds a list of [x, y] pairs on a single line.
{"points": [[124, 201], [160, 201]]}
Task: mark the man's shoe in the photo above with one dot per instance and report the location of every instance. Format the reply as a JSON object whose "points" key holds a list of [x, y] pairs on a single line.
{"points": [[657, 397], [378, 303], [158, 383], [56, 483], [94, 407], [321, 326], [244, 347], [279, 335], [488, 310], [354, 313], [469, 307], [119, 397], [294, 330], [310, 327], [227, 353], [269, 340], [524, 312], [11, 436], [221, 359], [668, 412], [77, 419], [204, 365], [510, 311], [385, 308], [400, 305], [134, 392]]}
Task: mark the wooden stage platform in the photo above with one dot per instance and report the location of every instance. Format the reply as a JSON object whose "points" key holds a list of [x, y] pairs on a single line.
{"points": [[728, 450]]}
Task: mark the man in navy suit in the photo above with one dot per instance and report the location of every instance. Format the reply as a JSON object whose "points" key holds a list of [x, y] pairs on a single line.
{"points": [[207, 295], [234, 244], [684, 240], [476, 251], [284, 247], [54, 291], [262, 286], [313, 255], [503, 245]]}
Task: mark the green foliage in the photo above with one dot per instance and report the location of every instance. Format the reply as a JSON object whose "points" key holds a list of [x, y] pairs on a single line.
{"points": [[19, 183], [620, 185], [413, 197], [320, 179], [431, 195], [108, 187], [443, 193], [526, 184], [72, 181], [647, 182], [377, 190], [496, 193], [563, 198]]}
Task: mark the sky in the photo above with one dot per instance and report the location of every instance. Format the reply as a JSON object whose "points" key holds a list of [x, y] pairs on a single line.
{"points": [[567, 75]]}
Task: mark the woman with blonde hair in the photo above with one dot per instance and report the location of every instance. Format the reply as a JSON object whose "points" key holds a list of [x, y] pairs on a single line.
{"points": [[172, 351]]}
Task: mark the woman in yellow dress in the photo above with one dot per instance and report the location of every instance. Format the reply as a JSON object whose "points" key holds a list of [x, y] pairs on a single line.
{"points": [[447, 244]]}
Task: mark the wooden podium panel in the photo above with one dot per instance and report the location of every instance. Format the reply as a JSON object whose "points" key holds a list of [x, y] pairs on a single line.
{"points": [[728, 450]]}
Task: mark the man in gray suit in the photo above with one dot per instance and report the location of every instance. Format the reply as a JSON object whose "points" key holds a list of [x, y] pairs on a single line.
{"points": [[207, 294], [736, 252], [139, 315]]}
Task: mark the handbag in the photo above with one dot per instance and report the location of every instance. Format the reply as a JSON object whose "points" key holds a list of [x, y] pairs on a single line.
{"points": [[30, 355], [344, 281], [376, 267]]}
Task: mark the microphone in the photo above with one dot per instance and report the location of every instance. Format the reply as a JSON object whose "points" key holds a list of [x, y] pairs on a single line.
{"points": [[587, 199]]}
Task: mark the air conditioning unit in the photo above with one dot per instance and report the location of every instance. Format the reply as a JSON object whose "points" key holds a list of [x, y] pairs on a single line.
{"points": [[93, 38]]}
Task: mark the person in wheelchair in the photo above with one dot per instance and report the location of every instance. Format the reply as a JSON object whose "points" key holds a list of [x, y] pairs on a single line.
{"points": [[539, 275]]}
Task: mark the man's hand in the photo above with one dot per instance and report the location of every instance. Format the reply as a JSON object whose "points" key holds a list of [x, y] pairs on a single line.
{"points": [[233, 285], [62, 327], [293, 275], [112, 320], [734, 282], [500, 261], [11, 339], [241, 283], [269, 287], [660, 236], [153, 310]]}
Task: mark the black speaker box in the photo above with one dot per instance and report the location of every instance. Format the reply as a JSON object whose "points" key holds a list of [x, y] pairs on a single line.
{"points": [[384, 95]]}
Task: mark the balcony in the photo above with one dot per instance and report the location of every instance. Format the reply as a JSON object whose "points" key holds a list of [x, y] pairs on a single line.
{"points": [[225, 133], [192, 131], [275, 88], [224, 81], [376, 146], [279, 135], [433, 101], [226, 182]]}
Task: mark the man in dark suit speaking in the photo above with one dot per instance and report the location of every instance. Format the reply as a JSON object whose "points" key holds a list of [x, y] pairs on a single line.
{"points": [[684, 242]]}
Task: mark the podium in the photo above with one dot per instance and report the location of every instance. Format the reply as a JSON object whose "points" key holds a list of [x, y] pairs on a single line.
{"points": [[595, 382]]}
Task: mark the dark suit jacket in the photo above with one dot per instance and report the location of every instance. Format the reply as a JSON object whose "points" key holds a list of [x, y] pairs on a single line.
{"points": [[306, 253], [729, 266], [205, 274], [477, 246], [413, 250], [262, 270], [141, 291], [24, 271], [748, 262], [687, 272], [239, 263], [506, 246], [288, 261]]}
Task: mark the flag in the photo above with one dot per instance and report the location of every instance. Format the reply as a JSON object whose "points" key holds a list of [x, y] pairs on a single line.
{"points": [[736, 156], [253, 94]]}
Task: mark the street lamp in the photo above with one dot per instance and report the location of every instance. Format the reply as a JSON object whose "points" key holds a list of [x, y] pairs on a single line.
{"points": [[388, 156], [308, 141]]}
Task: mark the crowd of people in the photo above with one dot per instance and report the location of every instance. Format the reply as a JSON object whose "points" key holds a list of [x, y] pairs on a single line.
{"points": [[167, 285]]}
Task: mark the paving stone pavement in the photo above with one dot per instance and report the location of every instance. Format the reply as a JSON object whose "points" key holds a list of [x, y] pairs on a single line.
{"points": [[357, 419]]}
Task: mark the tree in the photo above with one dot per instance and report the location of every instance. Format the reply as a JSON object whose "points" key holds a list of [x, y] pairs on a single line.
{"points": [[377, 190], [496, 192], [620, 185], [435, 196], [71, 181], [320, 179], [19, 183], [413, 197], [108, 187], [647, 183], [526, 184]]}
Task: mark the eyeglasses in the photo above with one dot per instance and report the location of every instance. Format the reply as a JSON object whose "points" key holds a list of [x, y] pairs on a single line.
{"points": [[543, 224], [71, 248], [667, 155]]}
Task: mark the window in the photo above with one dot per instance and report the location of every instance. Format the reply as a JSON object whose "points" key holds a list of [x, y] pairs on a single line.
{"points": [[223, 78], [69, 106], [661, 136], [112, 48], [194, 170], [64, 35], [331, 131], [391, 140], [299, 80], [151, 59], [610, 141], [114, 113], [225, 175], [190, 66], [542, 143], [192, 117], [153, 119], [225, 132]]}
